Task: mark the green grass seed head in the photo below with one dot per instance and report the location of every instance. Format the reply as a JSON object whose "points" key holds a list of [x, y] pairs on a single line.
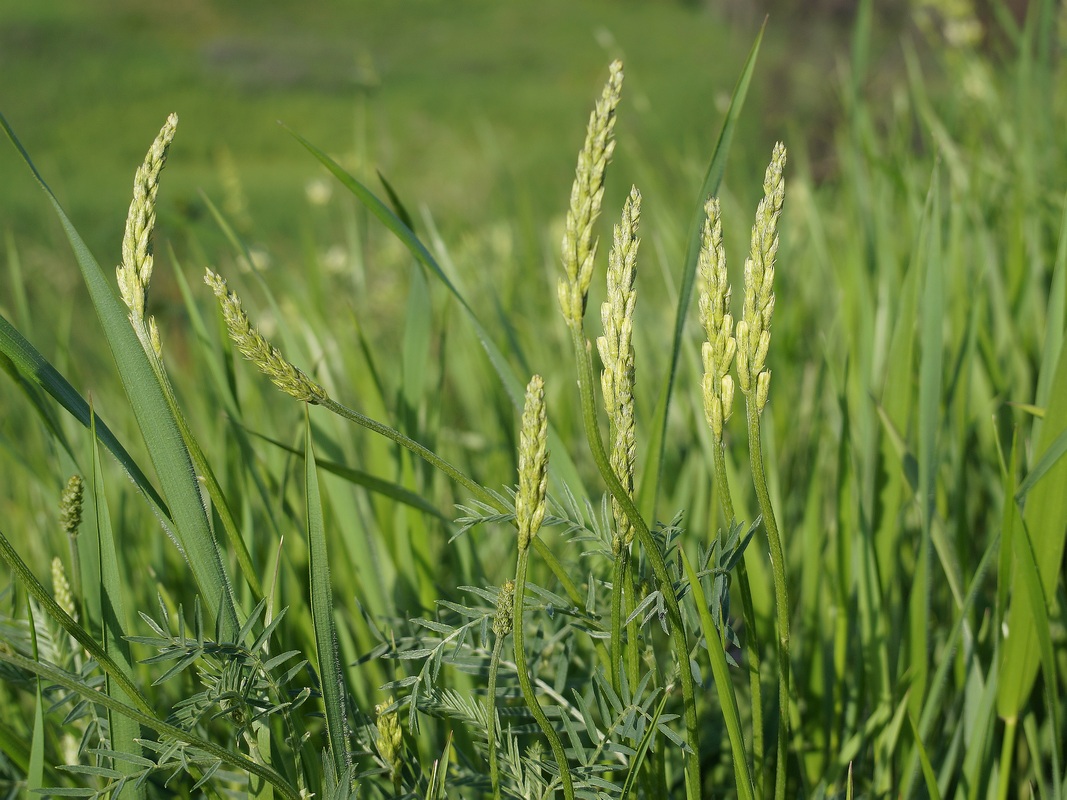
{"points": [[587, 194], [70, 505], [617, 353], [61, 588], [135, 272], [754, 329], [504, 620], [255, 347], [533, 464], [720, 348], [390, 738]]}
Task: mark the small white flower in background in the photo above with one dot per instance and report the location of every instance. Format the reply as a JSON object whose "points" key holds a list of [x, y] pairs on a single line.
{"points": [[260, 260], [319, 191], [335, 259]]}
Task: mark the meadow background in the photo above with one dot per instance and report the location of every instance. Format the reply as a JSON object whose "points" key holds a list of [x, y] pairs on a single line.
{"points": [[916, 415]]}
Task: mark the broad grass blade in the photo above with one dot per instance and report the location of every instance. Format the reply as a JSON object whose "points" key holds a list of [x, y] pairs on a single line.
{"points": [[1045, 530], [928, 769], [34, 373], [112, 586], [46, 602], [932, 313], [75, 684], [161, 430]]}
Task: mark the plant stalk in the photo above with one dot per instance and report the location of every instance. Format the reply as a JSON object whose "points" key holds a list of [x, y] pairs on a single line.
{"points": [[781, 595], [524, 677], [583, 356]]}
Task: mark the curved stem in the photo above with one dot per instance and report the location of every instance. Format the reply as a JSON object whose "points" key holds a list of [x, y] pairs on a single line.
{"points": [[655, 558], [781, 595], [524, 677]]}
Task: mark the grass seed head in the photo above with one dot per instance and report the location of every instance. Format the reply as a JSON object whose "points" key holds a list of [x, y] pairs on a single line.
{"points": [[504, 620], [255, 347], [720, 348], [754, 330], [70, 505], [61, 588], [135, 272], [587, 194], [617, 354], [533, 464], [390, 739]]}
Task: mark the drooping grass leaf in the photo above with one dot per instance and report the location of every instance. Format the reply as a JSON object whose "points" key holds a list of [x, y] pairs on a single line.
{"points": [[75, 684], [38, 373]]}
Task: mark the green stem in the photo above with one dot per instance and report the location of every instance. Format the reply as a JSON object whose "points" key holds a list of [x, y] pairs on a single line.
{"points": [[781, 595], [476, 489], [633, 657], [749, 615], [494, 767], [618, 572], [524, 677], [655, 557]]}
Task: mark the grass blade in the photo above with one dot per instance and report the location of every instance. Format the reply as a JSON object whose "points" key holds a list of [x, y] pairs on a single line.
{"points": [[649, 488], [161, 430], [71, 626], [561, 461], [38, 374], [932, 320], [75, 684], [1043, 516], [331, 676], [111, 585]]}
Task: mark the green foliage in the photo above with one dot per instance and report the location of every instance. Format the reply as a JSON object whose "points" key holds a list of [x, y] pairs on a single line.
{"points": [[866, 571]]}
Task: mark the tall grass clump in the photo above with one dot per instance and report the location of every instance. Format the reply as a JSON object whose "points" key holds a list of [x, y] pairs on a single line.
{"points": [[664, 578]]}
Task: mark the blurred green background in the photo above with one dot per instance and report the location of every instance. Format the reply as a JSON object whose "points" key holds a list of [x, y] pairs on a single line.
{"points": [[471, 107]]}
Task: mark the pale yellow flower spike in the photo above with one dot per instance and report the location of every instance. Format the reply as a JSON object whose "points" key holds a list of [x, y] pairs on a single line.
{"points": [[754, 329], [721, 346], [533, 464], [587, 194], [135, 273], [258, 350], [617, 354]]}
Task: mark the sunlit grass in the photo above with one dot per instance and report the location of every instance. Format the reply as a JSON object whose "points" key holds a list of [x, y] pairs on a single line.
{"points": [[910, 454]]}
